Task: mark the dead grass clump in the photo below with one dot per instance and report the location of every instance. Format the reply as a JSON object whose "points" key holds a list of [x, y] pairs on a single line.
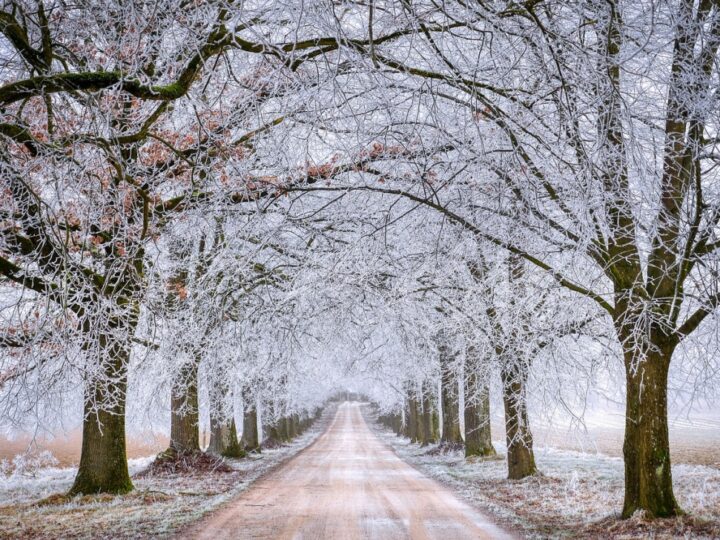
{"points": [[54, 500], [172, 462], [58, 499], [445, 448], [640, 526], [271, 443], [483, 459], [148, 496]]}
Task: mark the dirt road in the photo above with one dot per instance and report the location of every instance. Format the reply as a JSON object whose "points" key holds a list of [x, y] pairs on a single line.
{"points": [[347, 486]]}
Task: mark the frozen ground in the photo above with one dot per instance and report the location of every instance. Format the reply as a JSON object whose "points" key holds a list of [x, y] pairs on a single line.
{"points": [[32, 504], [578, 494]]}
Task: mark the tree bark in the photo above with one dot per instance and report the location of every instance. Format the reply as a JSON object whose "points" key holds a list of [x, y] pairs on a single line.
{"points": [[397, 424], [427, 433], [224, 440], [287, 428], [250, 439], [478, 437], [412, 420], [184, 411], [103, 459], [273, 432], [450, 406], [520, 456], [223, 432], [648, 475]]}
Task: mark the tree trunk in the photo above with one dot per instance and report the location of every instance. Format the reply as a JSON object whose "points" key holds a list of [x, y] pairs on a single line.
{"points": [[412, 420], [270, 428], [273, 432], [520, 457], [648, 477], [223, 433], [305, 423], [393, 423], [250, 439], [478, 438], [450, 407], [184, 414], [398, 425], [103, 459], [224, 439], [287, 428], [428, 436]]}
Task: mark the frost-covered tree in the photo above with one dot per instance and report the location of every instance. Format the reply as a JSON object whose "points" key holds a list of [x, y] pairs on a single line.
{"points": [[114, 124]]}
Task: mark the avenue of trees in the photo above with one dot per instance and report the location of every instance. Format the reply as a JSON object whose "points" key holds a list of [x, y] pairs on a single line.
{"points": [[213, 207]]}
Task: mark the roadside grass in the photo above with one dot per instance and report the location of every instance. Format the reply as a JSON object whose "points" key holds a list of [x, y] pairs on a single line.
{"points": [[576, 495]]}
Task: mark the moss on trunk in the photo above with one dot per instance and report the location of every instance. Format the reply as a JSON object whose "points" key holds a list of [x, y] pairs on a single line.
{"points": [[224, 440]]}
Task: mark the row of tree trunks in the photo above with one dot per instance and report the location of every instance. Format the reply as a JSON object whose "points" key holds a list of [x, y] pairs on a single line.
{"points": [[223, 432], [273, 432], [419, 426], [392, 421], [287, 429], [420, 420], [290, 426], [412, 419], [185, 420]]}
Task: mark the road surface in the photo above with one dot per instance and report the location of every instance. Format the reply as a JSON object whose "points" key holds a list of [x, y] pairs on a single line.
{"points": [[347, 486]]}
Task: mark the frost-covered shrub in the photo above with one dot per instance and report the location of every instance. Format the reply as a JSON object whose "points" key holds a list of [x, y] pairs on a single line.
{"points": [[28, 464]]}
